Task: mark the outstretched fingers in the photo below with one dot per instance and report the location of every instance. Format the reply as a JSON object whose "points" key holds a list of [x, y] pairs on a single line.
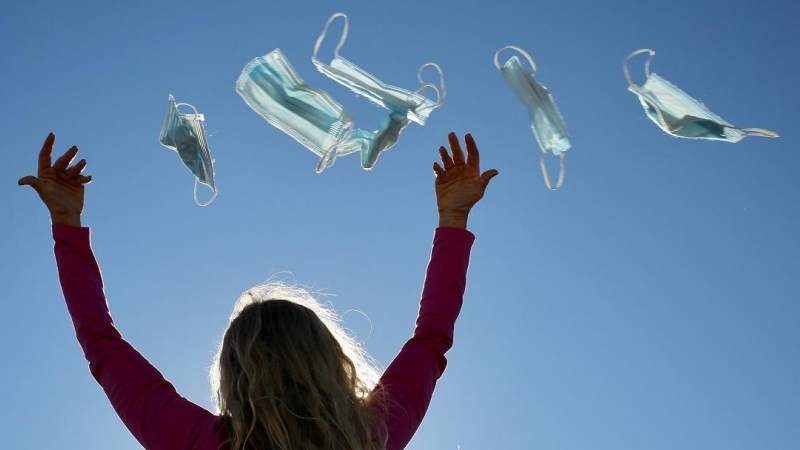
{"points": [[46, 151], [63, 161], [455, 147], [473, 156], [76, 170], [437, 169], [446, 159]]}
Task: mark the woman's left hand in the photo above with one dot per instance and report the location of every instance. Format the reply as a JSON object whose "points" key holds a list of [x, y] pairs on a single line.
{"points": [[60, 187]]}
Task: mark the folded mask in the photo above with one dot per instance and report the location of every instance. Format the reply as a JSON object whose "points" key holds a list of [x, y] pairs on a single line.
{"points": [[680, 115], [403, 105], [185, 134], [272, 88], [546, 122]]}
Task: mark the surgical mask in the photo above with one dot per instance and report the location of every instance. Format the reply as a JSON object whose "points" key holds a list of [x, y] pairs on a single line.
{"points": [[546, 121], [680, 115], [272, 88], [185, 134], [403, 105]]}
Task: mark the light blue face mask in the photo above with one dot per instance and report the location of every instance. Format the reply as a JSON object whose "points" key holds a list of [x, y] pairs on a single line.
{"points": [[403, 105], [546, 121], [680, 115], [273, 89], [185, 134]]}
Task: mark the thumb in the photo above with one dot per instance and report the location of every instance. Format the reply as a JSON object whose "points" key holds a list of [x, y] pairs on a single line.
{"points": [[486, 176], [30, 180]]}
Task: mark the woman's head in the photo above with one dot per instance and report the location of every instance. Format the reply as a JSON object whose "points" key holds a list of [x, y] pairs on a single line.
{"points": [[287, 375]]}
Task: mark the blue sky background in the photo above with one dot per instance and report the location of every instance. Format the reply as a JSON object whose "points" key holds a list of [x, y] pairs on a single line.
{"points": [[651, 303]]}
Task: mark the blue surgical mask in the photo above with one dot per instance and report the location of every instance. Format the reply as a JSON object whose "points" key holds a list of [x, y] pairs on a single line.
{"points": [[546, 121], [273, 89], [403, 105], [680, 115], [185, 134]]}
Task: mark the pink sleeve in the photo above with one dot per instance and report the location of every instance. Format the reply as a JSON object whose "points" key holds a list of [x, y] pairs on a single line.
{"points": [[156, 415], [410, 379]]}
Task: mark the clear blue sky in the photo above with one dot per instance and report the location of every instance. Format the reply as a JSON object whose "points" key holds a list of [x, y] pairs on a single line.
{"points": [[651, 303]]}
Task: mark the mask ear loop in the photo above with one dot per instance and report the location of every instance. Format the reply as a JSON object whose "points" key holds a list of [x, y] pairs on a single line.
{"points": [[435, 89], [547, 177], [196, 113], [760, 132], [636, 89], [325, 32], [214, 189], [441, 90], [331, 154], [646, 64], [521, 51]]}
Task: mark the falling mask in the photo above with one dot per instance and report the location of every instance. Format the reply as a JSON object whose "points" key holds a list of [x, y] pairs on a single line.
{"points": [[546, 121], [404, 105], [680, 115], [185, 134]]}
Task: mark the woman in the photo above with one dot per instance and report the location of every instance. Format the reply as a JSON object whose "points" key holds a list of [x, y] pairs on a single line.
{"points": [[286, 376]]}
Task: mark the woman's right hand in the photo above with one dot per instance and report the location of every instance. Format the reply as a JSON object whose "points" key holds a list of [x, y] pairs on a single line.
{"points": [[460, 184], [60, 187]]}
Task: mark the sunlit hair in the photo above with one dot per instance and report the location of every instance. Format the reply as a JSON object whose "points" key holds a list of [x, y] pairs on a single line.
{"points": [[287, 376]]}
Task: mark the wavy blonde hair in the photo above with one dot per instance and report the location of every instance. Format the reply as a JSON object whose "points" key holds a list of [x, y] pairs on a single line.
{"points": [[287, 376]]}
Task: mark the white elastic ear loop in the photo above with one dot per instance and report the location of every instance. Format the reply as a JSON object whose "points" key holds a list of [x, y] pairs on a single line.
{"points": [[435, 89], [186, 104], [196, 182], [638, 91], [760, 132], [325, 31], [521, 51], [646, 64], [547, 177], [329, 157], [441, 90]]}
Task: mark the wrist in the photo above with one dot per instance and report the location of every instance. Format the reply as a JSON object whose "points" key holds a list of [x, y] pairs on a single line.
{"points": [[65, 219], [453, 220]]}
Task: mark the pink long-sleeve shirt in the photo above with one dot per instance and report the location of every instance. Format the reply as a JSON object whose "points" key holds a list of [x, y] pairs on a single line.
{"points": [[160, 418]]}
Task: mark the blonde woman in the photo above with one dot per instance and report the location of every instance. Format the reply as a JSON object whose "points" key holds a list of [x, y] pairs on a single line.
{"points": [[286, 376]]}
